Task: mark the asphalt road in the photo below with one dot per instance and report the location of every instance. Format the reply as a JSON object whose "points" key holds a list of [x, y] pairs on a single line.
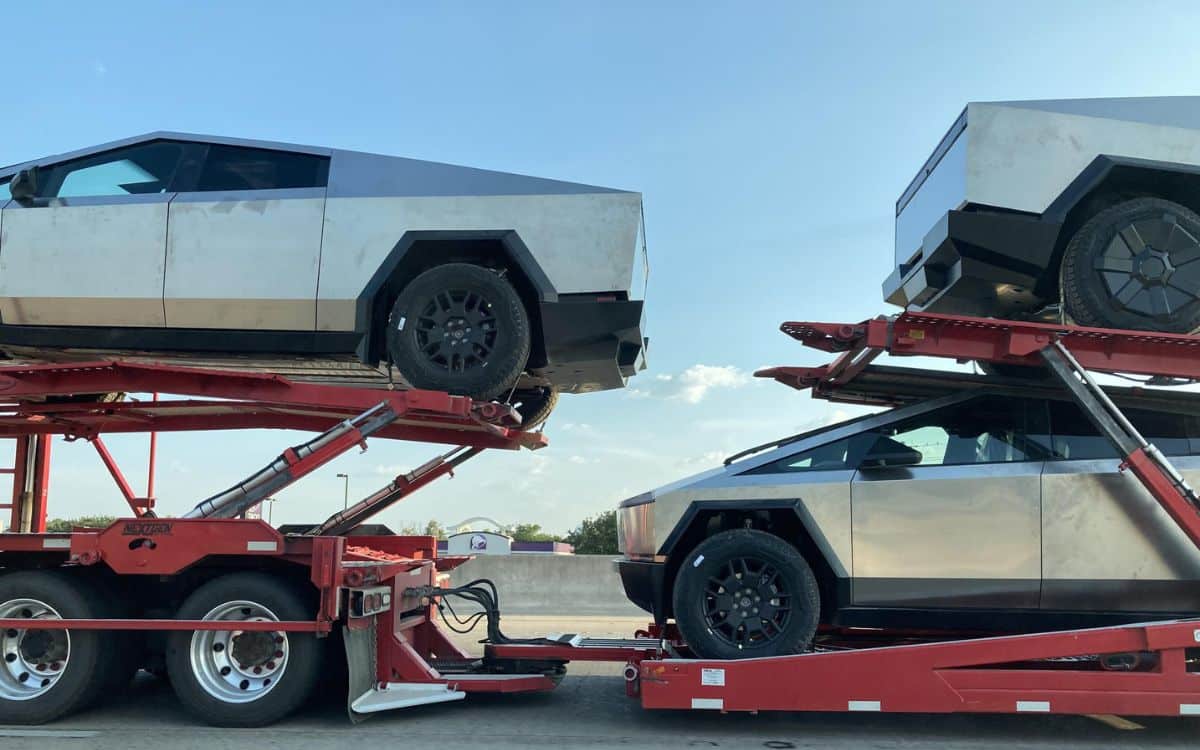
{"points": [[588, 710]]}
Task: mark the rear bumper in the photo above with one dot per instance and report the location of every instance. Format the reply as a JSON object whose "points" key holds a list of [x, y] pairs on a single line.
{"points": [[592, 345], [644, 584], [979, 263]]}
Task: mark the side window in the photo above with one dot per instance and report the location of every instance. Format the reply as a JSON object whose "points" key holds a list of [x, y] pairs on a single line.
{"points": [[1073, 435], [982, 430], [237, 168], [138, 170], [840, 454]]}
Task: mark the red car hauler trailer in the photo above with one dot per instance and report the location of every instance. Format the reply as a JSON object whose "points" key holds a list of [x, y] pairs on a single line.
{"points": [[244, 607]]}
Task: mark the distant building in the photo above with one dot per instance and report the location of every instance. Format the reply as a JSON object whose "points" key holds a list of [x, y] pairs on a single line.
{"points": [[469, 539]]}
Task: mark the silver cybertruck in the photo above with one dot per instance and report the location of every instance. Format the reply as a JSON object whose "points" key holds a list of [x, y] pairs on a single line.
{"points": [[1078, 210], [323, 263]]}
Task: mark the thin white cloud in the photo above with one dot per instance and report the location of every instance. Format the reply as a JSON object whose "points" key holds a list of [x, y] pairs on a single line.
{"points": [[99, 68], [637, 393], [664, 377], [697, 380], [705, 459]]}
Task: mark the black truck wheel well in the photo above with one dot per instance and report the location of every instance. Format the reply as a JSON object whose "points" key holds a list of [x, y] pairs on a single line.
{"points": [[781, 521], [423, 254], [1111, 182]]}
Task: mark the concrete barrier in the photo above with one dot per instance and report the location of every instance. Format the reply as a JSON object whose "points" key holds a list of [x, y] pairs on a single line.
{"points": [[551, 584]]}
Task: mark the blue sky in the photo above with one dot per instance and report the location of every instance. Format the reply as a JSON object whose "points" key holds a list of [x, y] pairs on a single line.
{"points": [[770, 141]]}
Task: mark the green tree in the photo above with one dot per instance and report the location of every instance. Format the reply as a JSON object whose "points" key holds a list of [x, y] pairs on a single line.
{"points": [[530, 532], [66, 524], [435, 529], [596, 535]]}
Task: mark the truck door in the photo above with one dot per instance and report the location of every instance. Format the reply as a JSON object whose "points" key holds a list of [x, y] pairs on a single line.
{"points": [[88, 249], [946, 510], [244, 243], [1109, 546]]}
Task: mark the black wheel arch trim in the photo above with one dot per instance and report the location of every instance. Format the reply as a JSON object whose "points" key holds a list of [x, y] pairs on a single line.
{"points": [[835, 590], [697, 507], [1097, 172], [509, 240]]}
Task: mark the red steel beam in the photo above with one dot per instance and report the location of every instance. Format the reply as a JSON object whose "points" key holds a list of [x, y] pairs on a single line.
{"points": [[80, 420], [127, 377], [978, 675], [290, 626], [1005, 341], [138, 505]]}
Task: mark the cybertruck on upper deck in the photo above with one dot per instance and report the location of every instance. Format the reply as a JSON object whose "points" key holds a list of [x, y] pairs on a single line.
{"points": [[1085, 209], [323, 262]]}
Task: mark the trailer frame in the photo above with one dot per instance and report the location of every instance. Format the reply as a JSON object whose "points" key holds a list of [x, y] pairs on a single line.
{"points": [[382, 593]]}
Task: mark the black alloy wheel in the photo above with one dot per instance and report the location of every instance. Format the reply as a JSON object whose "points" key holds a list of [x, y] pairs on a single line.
{"points": [[1135, 265], [745, 593], [460, 328]]}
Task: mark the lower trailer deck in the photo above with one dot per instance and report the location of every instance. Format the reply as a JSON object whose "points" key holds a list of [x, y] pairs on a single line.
{"points": [[382, 596]]}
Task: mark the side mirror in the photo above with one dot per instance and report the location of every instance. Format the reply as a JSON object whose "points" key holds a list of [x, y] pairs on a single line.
{"points": [[24, 185], [888, 454]]}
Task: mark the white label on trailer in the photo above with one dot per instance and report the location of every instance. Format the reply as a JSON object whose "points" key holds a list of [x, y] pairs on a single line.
{"points": [[1196, 636], [863, 706], [56, 544], [715, 677], [717, 704], [261, 546], [1189, 709], [1037, 706]]}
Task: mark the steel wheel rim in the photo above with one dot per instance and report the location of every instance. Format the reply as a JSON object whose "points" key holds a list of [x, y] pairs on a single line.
{"points": [[33, 660], [1151, 267], [236, 666], [746, 604], [456, 330]]}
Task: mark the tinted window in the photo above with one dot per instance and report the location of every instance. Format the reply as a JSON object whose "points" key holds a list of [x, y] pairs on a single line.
{"points": [[983, 430], [840, 454], [236, 168], [1073, 436], [138, 170]]}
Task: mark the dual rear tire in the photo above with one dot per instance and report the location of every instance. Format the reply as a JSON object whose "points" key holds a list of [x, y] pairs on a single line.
{"points": [[45, 674], [241, 677]]}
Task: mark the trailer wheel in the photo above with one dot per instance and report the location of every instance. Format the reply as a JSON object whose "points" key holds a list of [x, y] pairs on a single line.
{"points": [[45, 674], [459, 328], [241, 678], [746, 593], [1135, 265]]}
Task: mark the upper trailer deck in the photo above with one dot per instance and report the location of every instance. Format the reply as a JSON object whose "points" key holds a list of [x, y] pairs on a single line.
{"points": [[52, 399], [1159, 355], [889, 386]]}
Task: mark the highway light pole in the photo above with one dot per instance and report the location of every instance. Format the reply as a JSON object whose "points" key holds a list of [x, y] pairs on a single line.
{"points": [[345, 490]]}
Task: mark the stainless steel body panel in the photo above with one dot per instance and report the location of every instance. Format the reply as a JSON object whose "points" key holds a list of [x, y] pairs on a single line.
{"points": [[84, 261], [821, 497], [1021, 156], [635, 530], [949, 527], [244, 260], [582, 242], [1109, 545]]}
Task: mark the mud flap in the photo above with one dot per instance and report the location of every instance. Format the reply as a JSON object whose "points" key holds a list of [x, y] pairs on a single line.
{"points": [[360, 664]]}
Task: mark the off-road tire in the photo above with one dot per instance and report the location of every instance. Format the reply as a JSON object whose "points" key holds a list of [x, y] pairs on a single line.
{"points": [[534, 404], [711, 560], [296, 683], [510, 339], [1092, 282], [93, 654]]}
